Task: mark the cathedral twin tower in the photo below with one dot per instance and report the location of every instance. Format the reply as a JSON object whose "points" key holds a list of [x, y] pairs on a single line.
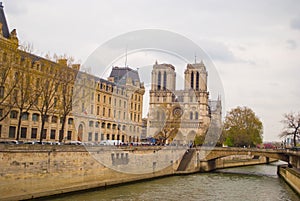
{"points": [[177, 116]]}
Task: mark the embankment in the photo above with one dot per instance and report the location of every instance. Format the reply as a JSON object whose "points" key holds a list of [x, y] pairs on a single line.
{"points": [[291, 176], [30, 171]]}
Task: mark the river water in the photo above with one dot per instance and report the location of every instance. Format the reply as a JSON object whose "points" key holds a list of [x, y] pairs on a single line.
{"points": [[258, 183]]}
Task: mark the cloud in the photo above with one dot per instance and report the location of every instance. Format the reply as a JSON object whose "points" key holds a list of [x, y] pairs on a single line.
{"points": [[295, 24], [291, 44], [218, 51]]}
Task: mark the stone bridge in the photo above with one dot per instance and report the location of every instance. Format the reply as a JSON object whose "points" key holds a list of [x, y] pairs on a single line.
{"points": [[211, 154]]}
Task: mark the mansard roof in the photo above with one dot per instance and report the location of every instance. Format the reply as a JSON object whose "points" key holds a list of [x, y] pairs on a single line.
{"points": [[5, 30], [120, 75]]}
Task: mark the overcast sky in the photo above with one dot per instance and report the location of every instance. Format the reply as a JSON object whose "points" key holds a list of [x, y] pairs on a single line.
{"points": [[254, 44]]}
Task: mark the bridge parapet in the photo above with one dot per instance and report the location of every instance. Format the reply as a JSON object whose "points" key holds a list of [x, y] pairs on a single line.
{"points": [[212, 153]]}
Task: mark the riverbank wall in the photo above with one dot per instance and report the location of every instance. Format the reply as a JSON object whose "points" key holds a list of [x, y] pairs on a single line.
{"points": [[290, 176], [28, 171]]}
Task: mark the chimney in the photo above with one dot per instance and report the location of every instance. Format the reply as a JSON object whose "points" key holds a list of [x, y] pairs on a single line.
{"points": [[76, 66], [63, 62]]}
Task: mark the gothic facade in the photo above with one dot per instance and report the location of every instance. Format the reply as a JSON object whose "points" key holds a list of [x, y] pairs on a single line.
{"points": [[177, 116]]}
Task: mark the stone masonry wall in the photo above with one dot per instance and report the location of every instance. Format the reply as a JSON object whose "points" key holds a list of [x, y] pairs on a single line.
{"points": [[34, 171]]}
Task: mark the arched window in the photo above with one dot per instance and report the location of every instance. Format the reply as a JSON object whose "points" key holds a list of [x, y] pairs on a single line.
{"points": [[196, 115], [191, 115], [159, 81], [165, 81], [192, 80], [197, 80]]}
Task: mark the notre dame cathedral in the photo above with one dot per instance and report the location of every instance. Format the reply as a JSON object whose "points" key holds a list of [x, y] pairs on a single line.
{"points": [[177, 116]]}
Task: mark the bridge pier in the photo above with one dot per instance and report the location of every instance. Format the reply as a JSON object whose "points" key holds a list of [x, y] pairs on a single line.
{"points": [[207, 166]]}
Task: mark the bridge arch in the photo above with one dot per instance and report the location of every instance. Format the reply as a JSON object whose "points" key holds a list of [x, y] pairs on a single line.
{"points": [[224, 152]]}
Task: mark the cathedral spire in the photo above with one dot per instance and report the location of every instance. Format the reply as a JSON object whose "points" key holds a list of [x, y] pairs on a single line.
{"points": [[3, 24]]}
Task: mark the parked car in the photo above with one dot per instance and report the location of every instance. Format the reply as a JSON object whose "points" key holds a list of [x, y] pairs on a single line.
{"points": [[9, 142]]}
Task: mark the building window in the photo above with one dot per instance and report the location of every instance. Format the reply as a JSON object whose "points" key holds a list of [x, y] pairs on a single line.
{"points": [[104, 99], [54, 119], [108, 125], [92, 96], [52, 134], [97, 124], [192, 80], [90, 136], [12, 132], [191, 115], [25, 115], [102, 136], [69, 135], [108, 112], [33, 133], [107, 136], [165, 81], [13, 114], [99, 97], [0, 130], [158, 80], [1, 91], [70, 121], [103, 112], [113, 136], [91, 123], [103, 125], [197, 80], [82, 107], [23, 132], [98, 110], [46, 118], [44, 134], [92, 109], [96, 136], [35, 117], [196, 115]]}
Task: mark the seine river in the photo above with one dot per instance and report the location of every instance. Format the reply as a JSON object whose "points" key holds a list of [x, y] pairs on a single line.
{"points": [[256, 183]]}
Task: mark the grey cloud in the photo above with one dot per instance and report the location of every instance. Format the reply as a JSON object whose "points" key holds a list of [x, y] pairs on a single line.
{"points": [[218, 51], [295, 23], [291, 44]]}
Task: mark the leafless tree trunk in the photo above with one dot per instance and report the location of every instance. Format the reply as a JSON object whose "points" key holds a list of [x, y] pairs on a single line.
{"points": [[291, 123]]}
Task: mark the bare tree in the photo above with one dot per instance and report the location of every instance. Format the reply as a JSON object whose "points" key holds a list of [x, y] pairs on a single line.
{"points": [[67, 81], [7, 85], [25, 94], [47, 87], [291, 123]]}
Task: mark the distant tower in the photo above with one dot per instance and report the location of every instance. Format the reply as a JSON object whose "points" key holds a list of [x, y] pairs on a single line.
{"points": [[182, 114], [162, 97], [196, 77]]}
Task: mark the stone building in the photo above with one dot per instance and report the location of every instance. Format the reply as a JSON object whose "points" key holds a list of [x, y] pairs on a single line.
{"points": [[55, 101], [109, 109], [178, 115]]}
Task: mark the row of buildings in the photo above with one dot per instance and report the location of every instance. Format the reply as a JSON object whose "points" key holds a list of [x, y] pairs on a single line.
{"points": [[41, 99]]}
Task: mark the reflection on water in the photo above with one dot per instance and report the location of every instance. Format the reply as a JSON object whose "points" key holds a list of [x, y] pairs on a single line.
{"points": [[245, 183]]}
